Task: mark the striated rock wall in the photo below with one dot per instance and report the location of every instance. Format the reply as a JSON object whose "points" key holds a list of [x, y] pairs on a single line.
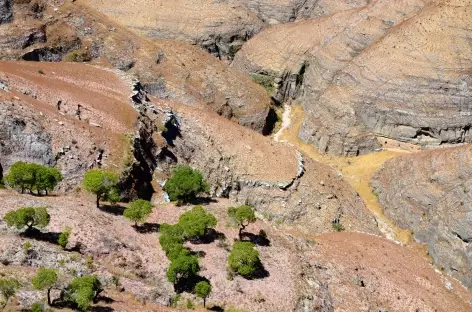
{"points": [[386, 69], [430, 194]]}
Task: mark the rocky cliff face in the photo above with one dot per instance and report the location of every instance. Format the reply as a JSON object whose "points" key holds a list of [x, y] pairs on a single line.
{"points": [[283, 185], [385, 69], [429, 193]]}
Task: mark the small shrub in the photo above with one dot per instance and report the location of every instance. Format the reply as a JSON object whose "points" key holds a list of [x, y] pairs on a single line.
{"points": [[115, 280], [174, 300], [337, 226], [41, 72], [37, 307], [190, 304], [63, 239], [267, 82], [78, 56], [89, 262], [27, 246], [185, 184]]}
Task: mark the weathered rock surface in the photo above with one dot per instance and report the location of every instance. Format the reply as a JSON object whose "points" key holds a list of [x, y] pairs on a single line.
{"points": [[220, 27], [252, 169], [57, 113], [386, 69], [6, 12], [75, 32], [430, 194]]}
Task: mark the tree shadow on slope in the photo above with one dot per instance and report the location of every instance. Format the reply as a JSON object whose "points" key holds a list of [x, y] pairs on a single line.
{"points": [[147, 228], [209, 238], [116, 210], [188, 285], [49, 237], [259, 239]]}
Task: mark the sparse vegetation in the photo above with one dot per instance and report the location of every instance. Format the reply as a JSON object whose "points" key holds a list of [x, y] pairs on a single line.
{"points": [[203, 290], [27, 246], [8, 288], [28, 217], [81, 55], [37, 307], [185, 184], [138, 211], [244, 259], [242, 216], [267, 82], [103, 184], [45, 280], [33, 177]]}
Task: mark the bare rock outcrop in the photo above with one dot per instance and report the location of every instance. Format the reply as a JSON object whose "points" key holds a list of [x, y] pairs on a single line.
{"points": [[429, 193], [251, 169], [383, 70]]}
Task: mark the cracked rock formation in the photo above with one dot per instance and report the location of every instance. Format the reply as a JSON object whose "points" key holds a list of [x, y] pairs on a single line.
{"points": [[430, 193], [6, 13], [388, 69]]}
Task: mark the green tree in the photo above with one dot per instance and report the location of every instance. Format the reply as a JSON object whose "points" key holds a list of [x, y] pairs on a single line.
{"points": [[20, 176], [185, 184], [47, 179], [45, 279], [196, 222], [182, 267], [33, 177], [82, 291], [101, 183], [37, 307], [244, 259], [242, 216], [63, 239], [203, 290], [138, 211], [29, 217], [171, 240], [8, 288]]}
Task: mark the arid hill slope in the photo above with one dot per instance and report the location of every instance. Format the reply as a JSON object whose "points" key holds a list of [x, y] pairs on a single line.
{"points": [[391, 69], [64, 30], [305, 274], [221, 27], [430, 194]]}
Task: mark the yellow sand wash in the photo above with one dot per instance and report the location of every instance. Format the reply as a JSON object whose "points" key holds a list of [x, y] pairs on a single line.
{"points": [[357, 171]]}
